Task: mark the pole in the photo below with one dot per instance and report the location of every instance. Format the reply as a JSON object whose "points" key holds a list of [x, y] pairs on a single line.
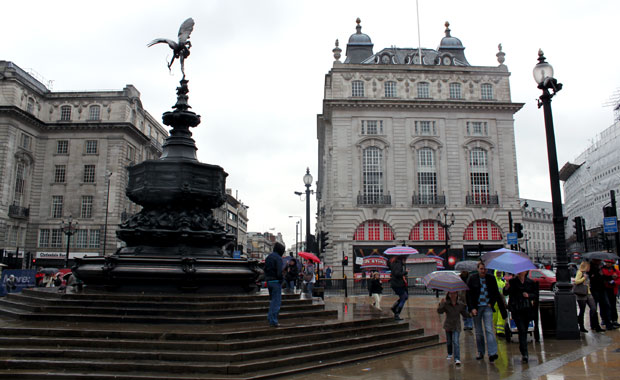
{"points": [[565, 304], [296, 238], [107, 206], [612, 196], [307, 215], [510, 227]]}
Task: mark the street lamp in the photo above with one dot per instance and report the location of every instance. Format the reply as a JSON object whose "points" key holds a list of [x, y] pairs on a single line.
{"points": [[107, 204], [565, 305], [445, 225], [299, 224], [68, 228], [308, 183]]}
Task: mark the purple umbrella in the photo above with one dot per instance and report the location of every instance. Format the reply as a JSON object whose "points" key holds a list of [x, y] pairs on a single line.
{"points": [[487, 257], [511, 262], [401, 251]]}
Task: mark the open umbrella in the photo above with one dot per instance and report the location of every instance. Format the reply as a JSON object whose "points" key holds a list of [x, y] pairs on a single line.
{"points": [[487, 257], [309, 256], [400, 250], [511, 262], [599, 255], [446, 281], [374, 262], [49, 270], [467, 265], [438, 261]]}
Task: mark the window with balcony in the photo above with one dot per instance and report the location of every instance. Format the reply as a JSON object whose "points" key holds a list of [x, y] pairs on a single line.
{"points": [[65, 113], [427, 176], [357, 88], [479, 176], [390, 89], [20, 182], [372, 175], [486, 91], [89, 174], [424, 90], [455, 91]]}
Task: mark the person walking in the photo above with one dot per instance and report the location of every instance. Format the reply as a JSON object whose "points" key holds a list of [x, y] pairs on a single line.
{"points": [[398, 282], [610, 275], [481, 298], [498, 321], [597, 288], [468, 322], [375, 289], [584, 297], [522, 292], [273, 277], [454, 307], [291, 273], [309, 278]]}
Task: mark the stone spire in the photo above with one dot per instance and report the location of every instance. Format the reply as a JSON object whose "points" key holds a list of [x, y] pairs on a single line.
{"points": [[337, 50]]}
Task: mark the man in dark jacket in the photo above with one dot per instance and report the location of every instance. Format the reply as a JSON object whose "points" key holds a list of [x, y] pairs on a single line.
{"points": [[273, 276], [597, 288], [482, 296]]}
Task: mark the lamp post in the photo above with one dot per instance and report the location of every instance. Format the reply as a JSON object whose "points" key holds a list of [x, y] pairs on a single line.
{"points": [[445, 225], [308, 183], [107, 204], [68, 228], [565, 305], [299, 224]]}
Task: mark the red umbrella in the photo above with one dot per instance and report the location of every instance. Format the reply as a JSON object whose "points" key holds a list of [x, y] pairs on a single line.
{"points": [[309, 256]]}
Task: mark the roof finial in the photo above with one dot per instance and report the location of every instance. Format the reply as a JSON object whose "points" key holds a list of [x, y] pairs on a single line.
{"points": [[337, 52], [500, 55], [447, 24], [358, 27]]}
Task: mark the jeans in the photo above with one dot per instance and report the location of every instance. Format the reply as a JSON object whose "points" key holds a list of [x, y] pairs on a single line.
{"points": [[468, 322], [600, 298], [309, 287], [613, 309], [291, 286], [485, 316], [452, 341], [522, 321], [275, 295], [582, 311], [403, 295]]}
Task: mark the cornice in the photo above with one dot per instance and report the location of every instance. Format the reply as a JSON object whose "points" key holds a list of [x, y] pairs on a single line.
{"points": [[408, 104]]}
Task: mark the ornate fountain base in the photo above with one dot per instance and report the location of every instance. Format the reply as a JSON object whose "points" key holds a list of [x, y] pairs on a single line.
{"points": [[168, 274]]}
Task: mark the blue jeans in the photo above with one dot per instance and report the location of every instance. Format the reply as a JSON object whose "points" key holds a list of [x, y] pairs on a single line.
{"points": [[485, 316], [452, 341], [403, 295], [468, 322], [275, 295], [309, 287]]}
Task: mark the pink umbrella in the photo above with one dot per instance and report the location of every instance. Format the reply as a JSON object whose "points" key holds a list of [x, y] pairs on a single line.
{"points": [[400, 250], [374, 262]]}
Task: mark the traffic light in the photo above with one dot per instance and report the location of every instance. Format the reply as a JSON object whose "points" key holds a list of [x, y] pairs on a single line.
{"points": [[345, 261], [578, 228], [323, 240], [519, 230], [602, 240]]}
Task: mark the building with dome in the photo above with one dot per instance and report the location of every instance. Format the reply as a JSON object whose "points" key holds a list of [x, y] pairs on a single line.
{"points": [[416, 146]]}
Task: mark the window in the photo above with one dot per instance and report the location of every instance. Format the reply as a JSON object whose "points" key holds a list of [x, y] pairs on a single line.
{"points": [[94, 113], [486, 91], [60, 173], [455, 91], [372, 127], [477, 128], [20, 181], [57, 201], [30, 105], [131, 153], [374, 230], [390, 89], [44, 238], [56, 241], [424, 90], [479, 177], [427, 176], [480, 229], [425, 127], [91, 147], [427, 230], [93, 238], [81, 239], [372, 172], [87, 206], [62, 147], [25, 141], [89, 173], [357, 88], [65, 113]]}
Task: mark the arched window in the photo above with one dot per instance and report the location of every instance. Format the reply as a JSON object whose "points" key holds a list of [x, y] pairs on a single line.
{"points": [[427, 230], [427, 176], [486, 91], [374, 230], [65, 113], [372, 174], [479, 176], [483, 229], [94, 113]]}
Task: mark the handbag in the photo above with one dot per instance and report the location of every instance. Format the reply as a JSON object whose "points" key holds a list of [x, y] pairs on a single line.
{"points": [[580, 289]]}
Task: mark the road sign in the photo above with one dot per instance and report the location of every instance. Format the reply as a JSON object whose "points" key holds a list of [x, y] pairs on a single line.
{"points": [[512, 238], [610, 224]]}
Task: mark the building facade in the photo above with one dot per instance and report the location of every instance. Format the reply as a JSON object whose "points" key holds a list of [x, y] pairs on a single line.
{"points": [[234, 215], [65, 155], [408, 138], [260, 244], [538, 234]]}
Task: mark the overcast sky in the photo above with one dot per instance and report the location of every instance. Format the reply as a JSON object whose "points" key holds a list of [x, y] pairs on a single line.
{"points": [[257, 68]]}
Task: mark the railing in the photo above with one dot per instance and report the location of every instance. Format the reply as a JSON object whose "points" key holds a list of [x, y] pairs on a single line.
{"points": [[156, 144], [481, 199], [19, 212], [428, 199], [373, 199], [359, 287]]}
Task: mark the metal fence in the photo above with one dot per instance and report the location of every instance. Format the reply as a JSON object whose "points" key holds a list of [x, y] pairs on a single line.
{"points": [[359, 287]]}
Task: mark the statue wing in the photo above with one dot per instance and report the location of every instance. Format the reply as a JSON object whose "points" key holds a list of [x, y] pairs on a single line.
{"points": [[184, 31], [173, 45]]}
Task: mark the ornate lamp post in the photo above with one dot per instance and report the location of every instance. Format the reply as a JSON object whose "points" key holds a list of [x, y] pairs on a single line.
{"points": [[565, 305], [445, 225], [68, 228], [308, 183]]}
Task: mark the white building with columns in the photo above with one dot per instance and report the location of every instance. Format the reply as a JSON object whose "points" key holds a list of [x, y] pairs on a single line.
{"points": [[402, 143]]}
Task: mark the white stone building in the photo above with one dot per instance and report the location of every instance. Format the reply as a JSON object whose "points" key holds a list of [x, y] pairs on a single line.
{"points": [[401, 142], [234, 215], [539, 237], [57, 152]]}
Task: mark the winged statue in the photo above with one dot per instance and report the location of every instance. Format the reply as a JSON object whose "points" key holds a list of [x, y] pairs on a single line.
{"points": [[180, 48]]}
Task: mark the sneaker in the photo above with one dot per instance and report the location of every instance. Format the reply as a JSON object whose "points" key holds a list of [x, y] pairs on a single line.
{"points": [[480, 356], [493, 358], [449, 357], [457, 362]]}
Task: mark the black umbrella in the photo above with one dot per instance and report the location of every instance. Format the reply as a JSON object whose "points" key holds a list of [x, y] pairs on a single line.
{"points": [[599, 255], [49, 270], [467, 265]]}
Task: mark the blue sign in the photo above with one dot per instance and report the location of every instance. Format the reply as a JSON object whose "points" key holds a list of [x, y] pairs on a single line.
{"points": [[236, 254], [610, 224], [22, 278], [512, 238]]}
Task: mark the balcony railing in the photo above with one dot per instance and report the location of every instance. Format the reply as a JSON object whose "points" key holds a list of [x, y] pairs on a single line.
{"points": [[373, 199], [431, 200], [482, 200], [19, 212]]}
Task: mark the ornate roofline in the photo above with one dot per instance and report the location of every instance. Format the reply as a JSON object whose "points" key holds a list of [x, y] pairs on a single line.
{"points": [[417, 104]]}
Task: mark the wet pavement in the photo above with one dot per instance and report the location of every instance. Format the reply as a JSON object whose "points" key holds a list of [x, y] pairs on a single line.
{"points": [[594, 356]]}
